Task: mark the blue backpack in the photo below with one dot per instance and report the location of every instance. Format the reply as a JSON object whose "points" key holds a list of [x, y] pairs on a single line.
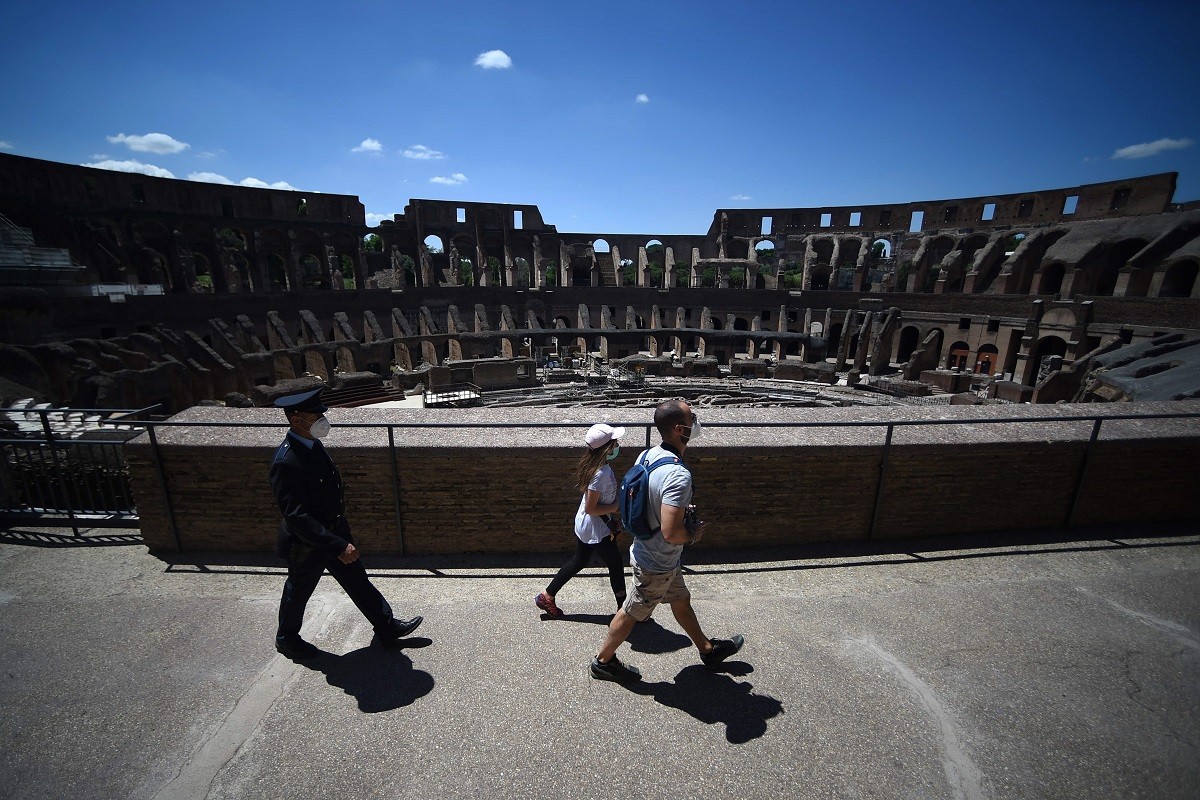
{"points": [[635, 493]]}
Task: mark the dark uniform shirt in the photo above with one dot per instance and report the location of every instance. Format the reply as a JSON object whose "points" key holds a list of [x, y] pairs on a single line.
{"points": [[308, 488]]}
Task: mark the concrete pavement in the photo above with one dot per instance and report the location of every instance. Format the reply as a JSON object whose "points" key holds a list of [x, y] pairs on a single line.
{"points": [[1035, 668]]}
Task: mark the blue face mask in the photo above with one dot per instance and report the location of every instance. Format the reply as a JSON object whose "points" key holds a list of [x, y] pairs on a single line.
{"points": [[616, 451]]}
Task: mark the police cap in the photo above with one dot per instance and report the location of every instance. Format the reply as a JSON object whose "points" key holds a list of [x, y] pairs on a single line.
{"points": [[309, 402]]}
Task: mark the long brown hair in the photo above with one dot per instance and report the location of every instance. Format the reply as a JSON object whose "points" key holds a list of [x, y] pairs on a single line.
{"points": [[590, 463]]}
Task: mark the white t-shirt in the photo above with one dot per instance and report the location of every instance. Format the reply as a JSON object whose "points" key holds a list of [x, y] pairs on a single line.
{"points": [[591, 529]]}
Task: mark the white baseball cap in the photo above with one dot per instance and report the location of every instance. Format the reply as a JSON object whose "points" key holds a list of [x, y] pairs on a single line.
{"points": [[601, 434]]}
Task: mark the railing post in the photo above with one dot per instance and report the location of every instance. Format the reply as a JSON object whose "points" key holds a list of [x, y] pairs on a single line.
{"points": [[396, 487], [162, 483], [62, 486], [1083, 468], [883, 465]]}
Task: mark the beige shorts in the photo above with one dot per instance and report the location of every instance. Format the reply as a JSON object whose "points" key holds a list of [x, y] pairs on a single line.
{"points": [[652, 588]]}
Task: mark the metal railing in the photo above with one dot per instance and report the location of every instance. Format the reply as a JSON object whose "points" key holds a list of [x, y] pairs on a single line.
{"points": [[889, 427], [47, 475]]}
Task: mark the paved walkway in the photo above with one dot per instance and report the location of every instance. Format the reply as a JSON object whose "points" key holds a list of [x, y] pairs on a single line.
{"points": [[1035, 669]]}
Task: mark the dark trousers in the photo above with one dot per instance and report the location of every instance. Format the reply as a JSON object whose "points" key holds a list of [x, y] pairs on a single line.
{"points": [[609, 554], [303, 574]]}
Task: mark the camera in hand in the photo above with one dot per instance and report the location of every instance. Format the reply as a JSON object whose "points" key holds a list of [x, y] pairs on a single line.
{"points": [[690, 521]]}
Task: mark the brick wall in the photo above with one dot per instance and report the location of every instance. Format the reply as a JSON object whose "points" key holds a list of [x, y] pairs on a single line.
{"points": [[508, 489]]}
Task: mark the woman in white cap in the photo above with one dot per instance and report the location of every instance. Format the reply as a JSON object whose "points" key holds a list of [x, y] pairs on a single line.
{"points": [[596, 522]]}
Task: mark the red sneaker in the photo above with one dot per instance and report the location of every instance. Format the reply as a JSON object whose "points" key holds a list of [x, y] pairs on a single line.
{"points": [[546, 603]]}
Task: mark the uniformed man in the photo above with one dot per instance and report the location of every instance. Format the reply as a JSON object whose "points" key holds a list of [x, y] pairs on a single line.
{"points": [[314, 535]]}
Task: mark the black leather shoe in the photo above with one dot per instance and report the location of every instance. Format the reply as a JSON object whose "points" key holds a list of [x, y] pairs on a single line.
{"points": [[400, 629], [296, 648]]}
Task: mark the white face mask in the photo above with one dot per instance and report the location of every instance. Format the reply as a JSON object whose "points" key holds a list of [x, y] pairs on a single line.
{"points": [[320, 428], [693, 432]]}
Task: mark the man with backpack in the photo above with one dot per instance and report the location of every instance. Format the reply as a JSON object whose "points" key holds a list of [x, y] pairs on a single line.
{"points": [[661, 490]]}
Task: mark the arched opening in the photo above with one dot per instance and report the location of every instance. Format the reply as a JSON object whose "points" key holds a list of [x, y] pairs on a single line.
{"points": [[957, 358], [1179, 280], [1012, 243], [1052, 279], [433, 244], [985, 359], [715, 323], [277, 272], [627, 272], [765, 254], [881, 249], [372, 243], [522, 273], [656, 259], [601, 246], [203, 274], [1044, 353], [820, 277], [1114, 260], [310, 270], [910, 337]]}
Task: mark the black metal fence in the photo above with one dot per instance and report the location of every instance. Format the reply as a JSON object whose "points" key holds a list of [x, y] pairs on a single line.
{"points": [[50, 478]]}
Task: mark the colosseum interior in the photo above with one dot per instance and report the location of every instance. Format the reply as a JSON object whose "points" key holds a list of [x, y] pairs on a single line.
{"points": [[126, 291]]}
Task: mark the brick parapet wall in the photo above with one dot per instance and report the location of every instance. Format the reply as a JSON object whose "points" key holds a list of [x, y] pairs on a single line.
{"points": [[508, 489]]}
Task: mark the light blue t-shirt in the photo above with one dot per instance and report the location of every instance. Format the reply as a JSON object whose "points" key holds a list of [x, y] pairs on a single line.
{"points": [[670, 484], [592, 529]]}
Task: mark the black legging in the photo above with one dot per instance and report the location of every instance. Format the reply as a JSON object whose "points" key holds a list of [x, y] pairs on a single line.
{"points": [[609, 554]]}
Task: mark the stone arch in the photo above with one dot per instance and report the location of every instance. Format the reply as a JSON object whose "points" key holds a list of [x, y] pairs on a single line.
{"points": [[522, 273], [1179, 279], [881, 248], [601, 246], [1046, 348], [822, 250], [203, 272], [956, 358], [985, 359], [820, 276], [312, 272], [1108, 271], [1052, 278], [1028, 263], [910, 339]]}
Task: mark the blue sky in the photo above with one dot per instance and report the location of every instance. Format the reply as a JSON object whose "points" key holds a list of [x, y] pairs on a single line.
{"points": [[612, 117]]}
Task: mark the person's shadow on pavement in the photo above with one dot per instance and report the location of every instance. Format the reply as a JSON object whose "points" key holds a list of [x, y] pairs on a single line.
{"points": [[650, 637], [711, 696], [380, 679]]}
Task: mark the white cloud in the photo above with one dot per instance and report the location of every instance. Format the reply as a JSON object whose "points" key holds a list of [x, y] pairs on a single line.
{"points": [[453, 180], [739, 197], [131, 166], [159, 143], [374, 219], [209, 177], [257, 184], [254, 183], [493, 59], [421, 152], [6, 146], [1147, 149], [368, 146], [643, 98], [210, 153]]}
